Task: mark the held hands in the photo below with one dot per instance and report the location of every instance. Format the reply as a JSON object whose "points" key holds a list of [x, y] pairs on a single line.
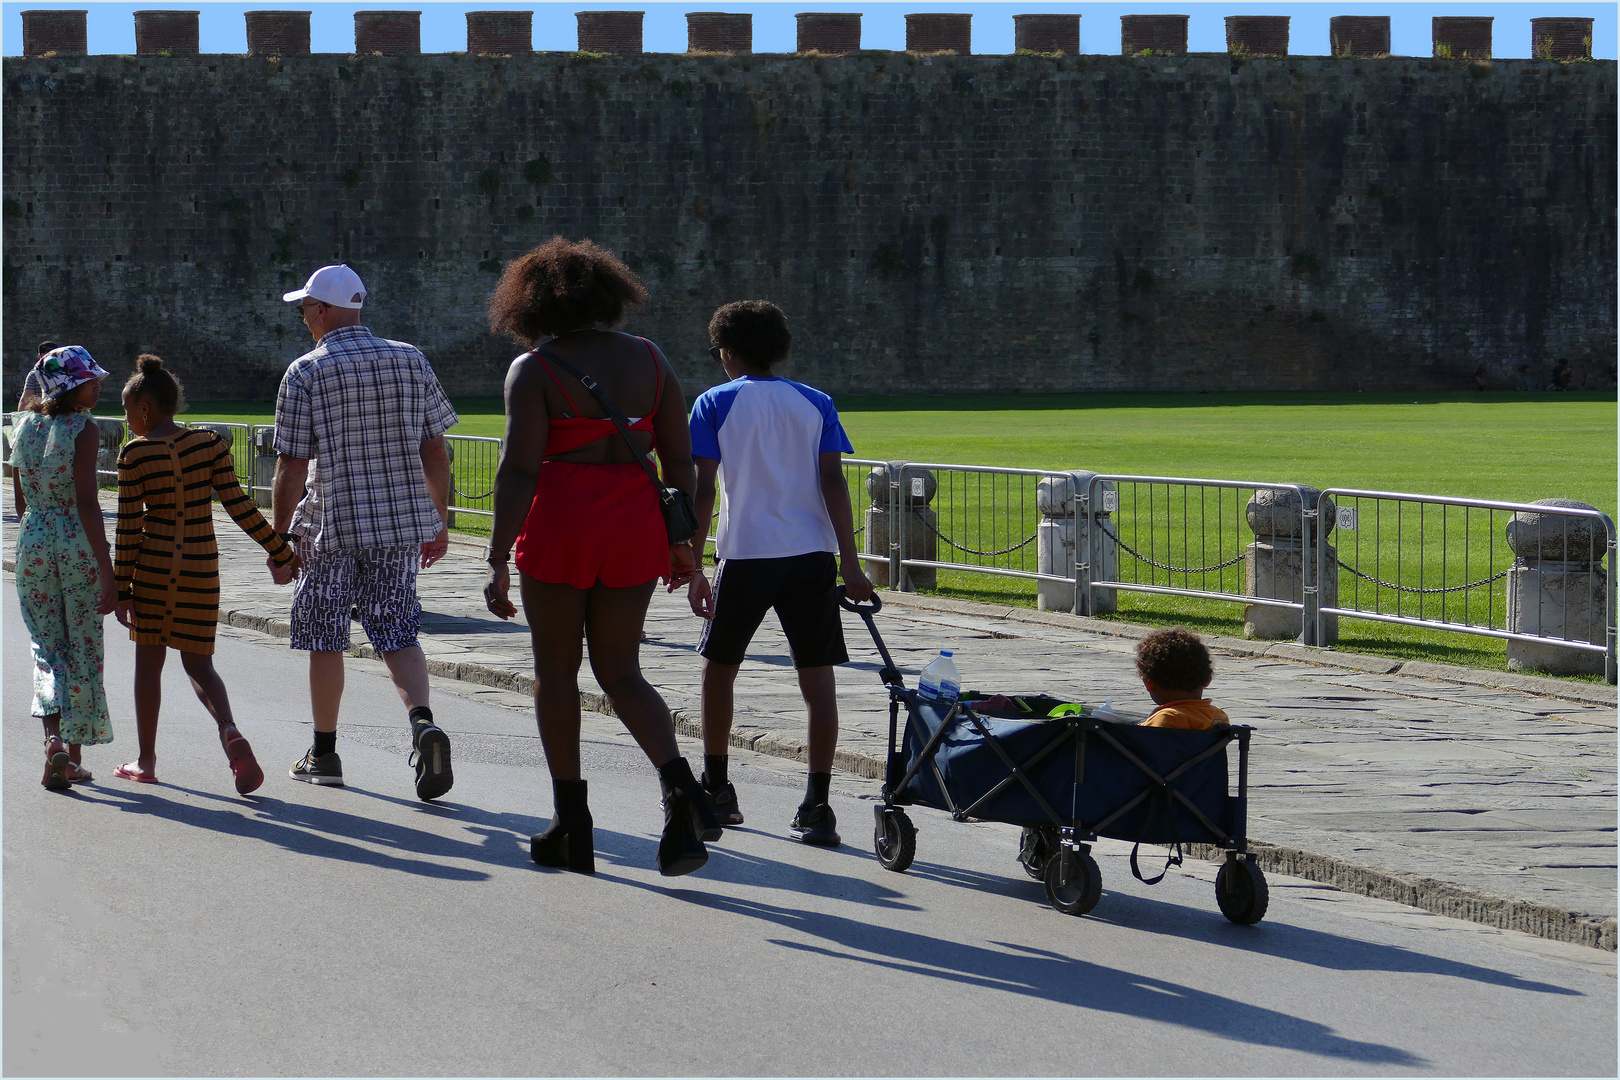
{"points": [[284, 573], [434, 549], [496, 589], [124, 611], [683, 564]]}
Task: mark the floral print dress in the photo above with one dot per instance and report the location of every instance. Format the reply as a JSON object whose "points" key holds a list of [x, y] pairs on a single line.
{"points": [[57, 579]]}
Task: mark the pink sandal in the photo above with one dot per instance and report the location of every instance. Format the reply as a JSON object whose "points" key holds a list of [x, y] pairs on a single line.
{"points": [[131, 770]]}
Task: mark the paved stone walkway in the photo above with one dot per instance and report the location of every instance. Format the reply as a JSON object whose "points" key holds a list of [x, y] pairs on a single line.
{"points": [[1496, 803]]}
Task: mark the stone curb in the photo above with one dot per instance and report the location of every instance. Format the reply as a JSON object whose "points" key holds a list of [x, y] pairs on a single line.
{"points": [[1540, 685], [1442, 898], [1427, 894]]}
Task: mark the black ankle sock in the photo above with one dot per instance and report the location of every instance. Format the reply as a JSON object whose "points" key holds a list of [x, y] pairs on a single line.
{"points": [[815, 792], [714, 770], [419, 716], [325, 742]]}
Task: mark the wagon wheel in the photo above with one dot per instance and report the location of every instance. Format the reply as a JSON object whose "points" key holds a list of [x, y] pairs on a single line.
{"points": [[1035, 848], [1240, 890], [894, 838], [1073, 881]]}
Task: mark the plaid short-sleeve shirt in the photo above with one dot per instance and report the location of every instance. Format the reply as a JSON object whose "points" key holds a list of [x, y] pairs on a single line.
{"points": [[361, 407]]}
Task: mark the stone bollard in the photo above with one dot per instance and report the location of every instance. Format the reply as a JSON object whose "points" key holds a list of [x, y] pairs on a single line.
{"points": [[917, 531], [1059, 535], [1275, 566], [1557, 586], [264, 465]]}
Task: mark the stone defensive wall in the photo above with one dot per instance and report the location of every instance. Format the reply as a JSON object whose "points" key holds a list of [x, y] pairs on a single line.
{"points": [[932, 220]]}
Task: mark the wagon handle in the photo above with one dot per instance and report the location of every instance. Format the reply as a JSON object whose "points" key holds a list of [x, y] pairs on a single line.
{"points": [[889, 674]]}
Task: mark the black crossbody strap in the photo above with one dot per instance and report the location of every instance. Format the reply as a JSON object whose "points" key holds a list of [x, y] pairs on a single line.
{"points": [[612, 410]]}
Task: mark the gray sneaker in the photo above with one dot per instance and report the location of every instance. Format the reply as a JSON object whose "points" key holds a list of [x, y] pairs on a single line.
{"points": [[431, 759], [325, 769]]}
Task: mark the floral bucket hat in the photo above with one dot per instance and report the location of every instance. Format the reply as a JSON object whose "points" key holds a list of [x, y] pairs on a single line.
{"points": [[63, 369]]}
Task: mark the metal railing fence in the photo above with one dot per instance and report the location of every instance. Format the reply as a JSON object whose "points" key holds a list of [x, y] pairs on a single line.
{"points": [[474, 460], [973, 519], [1184, 536], [1532, 573], [1535, 574]]}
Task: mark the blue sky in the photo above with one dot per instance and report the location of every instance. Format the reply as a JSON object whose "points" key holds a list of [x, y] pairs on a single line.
{"points": [[444, 26]]}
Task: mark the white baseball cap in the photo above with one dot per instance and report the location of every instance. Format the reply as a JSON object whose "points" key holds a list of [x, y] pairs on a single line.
{"points": [[335, 285]]}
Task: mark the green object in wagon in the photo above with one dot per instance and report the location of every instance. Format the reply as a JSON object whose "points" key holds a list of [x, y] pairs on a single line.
{"points": [[1066, 710]]}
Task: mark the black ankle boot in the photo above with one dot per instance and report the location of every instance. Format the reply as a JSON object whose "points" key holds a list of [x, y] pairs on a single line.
{"points": [[569, 841], [688, 819], [677, 775]]}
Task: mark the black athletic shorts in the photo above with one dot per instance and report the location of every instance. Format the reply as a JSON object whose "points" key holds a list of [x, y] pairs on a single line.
{"points": [[804, 591]]}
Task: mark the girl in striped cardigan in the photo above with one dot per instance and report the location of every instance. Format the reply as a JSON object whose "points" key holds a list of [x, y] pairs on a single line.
{"points": [[167, 562]]}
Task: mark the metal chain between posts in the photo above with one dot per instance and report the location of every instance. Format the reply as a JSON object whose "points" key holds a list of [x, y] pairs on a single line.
{"points": [[970, 551], [1416, 589], [457, 489], [1162, 566]]}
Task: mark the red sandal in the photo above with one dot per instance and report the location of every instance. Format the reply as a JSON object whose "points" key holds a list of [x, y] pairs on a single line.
{"points": [[244, 766]]}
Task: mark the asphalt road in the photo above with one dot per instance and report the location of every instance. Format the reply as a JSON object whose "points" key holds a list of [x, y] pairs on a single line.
{"points": [[179, 929]]}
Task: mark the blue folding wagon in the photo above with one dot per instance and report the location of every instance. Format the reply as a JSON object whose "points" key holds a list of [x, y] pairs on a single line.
{"points": [[1067, 779]]}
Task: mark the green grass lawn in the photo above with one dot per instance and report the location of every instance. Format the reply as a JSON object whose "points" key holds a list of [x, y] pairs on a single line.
{"points": [[1513, 446], [1507, 446]]}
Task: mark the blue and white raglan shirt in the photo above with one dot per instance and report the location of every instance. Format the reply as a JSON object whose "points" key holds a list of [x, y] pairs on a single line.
{"points": [[769, 435]]}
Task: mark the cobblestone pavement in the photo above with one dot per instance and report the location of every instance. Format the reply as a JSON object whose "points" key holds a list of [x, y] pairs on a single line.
{"points": [[1495, 803]]}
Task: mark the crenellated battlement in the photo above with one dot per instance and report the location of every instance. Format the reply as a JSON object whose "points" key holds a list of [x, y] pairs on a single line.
{"points": [[286, 33]]}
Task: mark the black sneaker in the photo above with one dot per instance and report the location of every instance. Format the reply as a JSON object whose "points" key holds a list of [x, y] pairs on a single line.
{"points": [[815, 825], [432, 761], [724, 801], [322, 769]]}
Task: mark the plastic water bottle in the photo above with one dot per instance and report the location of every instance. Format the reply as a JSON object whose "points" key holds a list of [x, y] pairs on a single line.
{"points": [[939, 680], [1106, 711]]}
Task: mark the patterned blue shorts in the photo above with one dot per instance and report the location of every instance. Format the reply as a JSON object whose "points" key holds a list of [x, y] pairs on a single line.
{"points": [[377, 583]]}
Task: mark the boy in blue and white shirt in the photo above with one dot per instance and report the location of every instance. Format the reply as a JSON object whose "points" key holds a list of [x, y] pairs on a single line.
{"points": [[776, 446]]}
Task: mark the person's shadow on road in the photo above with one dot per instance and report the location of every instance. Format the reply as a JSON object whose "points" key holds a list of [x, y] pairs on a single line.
{"points": [[1051, 976]]}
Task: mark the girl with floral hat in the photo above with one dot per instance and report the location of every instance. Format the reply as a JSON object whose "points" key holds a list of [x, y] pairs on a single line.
{"points": [[64, 568]]}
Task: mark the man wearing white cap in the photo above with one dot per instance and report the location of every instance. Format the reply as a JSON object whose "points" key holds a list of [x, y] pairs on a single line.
{"points": [[361, 491]]}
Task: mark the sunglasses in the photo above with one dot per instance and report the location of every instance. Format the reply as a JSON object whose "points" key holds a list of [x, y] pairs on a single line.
{"points": [[714, 351]]}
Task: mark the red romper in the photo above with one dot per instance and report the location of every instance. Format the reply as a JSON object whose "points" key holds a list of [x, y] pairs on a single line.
{"points": [[593, 524]]}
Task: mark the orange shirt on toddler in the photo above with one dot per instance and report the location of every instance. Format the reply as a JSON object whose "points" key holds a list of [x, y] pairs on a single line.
{"points": [[1195, 714]]}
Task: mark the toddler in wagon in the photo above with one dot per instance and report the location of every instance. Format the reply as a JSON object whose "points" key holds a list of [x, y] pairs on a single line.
{"points": [[1175, 669]]}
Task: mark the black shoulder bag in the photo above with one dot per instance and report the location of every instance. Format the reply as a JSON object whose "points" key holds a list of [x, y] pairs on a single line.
{"points": [[680, 520]]}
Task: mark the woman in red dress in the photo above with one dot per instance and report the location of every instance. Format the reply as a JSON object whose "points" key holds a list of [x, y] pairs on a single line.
{"points": [[590, 542]]}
